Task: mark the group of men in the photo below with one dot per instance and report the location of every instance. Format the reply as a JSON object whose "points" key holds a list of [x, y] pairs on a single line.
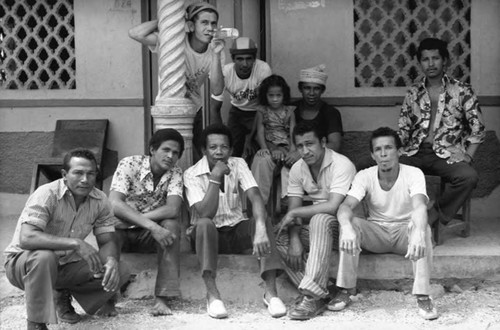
{"points": [[440, 127]]}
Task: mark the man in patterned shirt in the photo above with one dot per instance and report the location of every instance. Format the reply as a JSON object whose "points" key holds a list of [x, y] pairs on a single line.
{"points": [[48, 251], [146, 194], [213, 187], [441, 127]]}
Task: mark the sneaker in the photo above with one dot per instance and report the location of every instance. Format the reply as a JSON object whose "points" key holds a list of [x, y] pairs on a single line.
{"points": [[340, 301], [65, 311], [307, 308], [426, 308]]}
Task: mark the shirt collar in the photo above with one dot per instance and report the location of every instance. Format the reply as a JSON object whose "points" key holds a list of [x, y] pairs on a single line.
{"points": [[145, 169], [444, 81], [327, 160], [62, 190]]}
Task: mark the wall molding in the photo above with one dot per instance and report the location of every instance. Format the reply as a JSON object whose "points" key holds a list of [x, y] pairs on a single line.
{"points": [[366, 101], [390, 101], [83, 103]]}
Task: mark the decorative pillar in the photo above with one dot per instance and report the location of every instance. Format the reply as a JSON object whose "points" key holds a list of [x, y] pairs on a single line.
{"points": [[172, 109]]}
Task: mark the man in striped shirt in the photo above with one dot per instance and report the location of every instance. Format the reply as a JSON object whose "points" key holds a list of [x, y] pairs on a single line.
{"points": [[213, 190], [325, 176], [48, 251]]}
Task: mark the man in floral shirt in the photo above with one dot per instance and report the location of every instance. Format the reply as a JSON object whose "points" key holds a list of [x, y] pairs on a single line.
{"points": [[146, 194], [441, 127]]}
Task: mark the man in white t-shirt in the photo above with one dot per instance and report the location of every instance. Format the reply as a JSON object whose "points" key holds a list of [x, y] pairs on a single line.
{"points": [[204, 56], [242, 79], [396, 198]]}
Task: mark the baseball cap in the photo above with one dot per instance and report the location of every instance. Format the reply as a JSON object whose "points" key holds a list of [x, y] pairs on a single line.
{"points": [[243, 45]]}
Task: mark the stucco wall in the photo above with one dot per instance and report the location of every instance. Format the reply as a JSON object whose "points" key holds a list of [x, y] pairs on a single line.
{"points": [[109, 85]]}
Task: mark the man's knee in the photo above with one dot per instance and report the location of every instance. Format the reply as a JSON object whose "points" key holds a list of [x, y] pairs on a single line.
{"points": [[321, 220], [466, 174], [204, 225], [43, 257], [172, 225]]}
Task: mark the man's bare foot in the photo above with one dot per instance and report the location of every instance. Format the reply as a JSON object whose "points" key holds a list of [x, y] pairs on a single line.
{"points": [[108, 309], [160, 307]]}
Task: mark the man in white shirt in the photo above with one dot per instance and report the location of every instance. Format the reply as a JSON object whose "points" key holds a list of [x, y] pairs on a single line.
{"points": [[213, 190], [242, 79], [396, 198]]}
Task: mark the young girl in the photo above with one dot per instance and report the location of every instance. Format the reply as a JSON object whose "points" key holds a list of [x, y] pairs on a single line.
{"points": [[275, 119], [274, 122]]}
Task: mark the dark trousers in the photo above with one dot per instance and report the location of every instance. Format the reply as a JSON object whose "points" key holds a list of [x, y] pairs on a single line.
{"points": [[140, 240], [209, 241], [38, 273], [240, 123], [460, 179]]}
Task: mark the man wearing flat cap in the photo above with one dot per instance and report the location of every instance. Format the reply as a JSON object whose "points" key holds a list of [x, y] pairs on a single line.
{"points": [[242, 79]]}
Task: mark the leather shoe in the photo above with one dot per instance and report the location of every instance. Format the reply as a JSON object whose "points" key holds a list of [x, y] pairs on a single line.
{"points": [[216, 309], [307, 308], [65, 311], [275, 306], [36, 326]]}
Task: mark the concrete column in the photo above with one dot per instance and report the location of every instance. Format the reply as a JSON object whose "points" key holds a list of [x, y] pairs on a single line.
{"points": [[173, 109]]}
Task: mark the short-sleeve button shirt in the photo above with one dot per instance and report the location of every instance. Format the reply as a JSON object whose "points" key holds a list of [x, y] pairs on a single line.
{"points": [[134, 179], [52, 209], [230, 210], [335, 176]]}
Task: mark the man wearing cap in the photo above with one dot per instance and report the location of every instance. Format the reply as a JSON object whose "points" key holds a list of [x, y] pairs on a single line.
{"points": [[242, 79], [204, 56], [312, 84]]}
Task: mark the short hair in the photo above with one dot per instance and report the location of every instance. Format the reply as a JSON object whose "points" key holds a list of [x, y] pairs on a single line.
{"points": [[216, 129], [301, 84], [166, 134], [194, 9], [385, 131], [273, 81], [431, 44], [78, 153], [307, 127]]}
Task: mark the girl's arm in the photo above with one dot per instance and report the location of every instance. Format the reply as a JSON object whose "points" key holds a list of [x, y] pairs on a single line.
{"points": [[261, 140], [292, 127]]}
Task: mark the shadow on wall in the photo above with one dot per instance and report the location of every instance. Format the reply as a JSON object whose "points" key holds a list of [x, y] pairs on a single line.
{"points": [[18, 151]]}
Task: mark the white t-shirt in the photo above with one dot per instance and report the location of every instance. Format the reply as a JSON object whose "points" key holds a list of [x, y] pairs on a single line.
{"points": [[243, 92], [197, 70], [393, 206]]}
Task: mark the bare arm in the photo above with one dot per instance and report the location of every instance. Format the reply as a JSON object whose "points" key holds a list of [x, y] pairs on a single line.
{"points": [[416, 241], [171, 210], [215, 109], [162, 235], [261, 243], [334, 141], [146, 33], [207, 207], [295, 249], [348, 240], [328, 207], [216, 75], [110, 255], [261, 140], [34, 238]]}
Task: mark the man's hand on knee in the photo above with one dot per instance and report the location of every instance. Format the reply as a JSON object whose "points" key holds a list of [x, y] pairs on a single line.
{"points": [[111, 278], [261, 243], [90, 255], [163, 236], [416, 245]]}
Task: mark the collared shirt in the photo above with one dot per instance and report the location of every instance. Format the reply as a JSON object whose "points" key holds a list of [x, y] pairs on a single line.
{"points": [[52, 209], [458, 123], [230, 210], [134, 179], [335, 176], [394, 206]]}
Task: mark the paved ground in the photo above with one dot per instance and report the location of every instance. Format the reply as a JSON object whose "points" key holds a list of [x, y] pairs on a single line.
{"points": [[464, 304], [475, 306]]}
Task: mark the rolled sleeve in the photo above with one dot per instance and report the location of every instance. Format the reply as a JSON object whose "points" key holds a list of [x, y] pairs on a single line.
{"points": [[122, 178], [38, 209], [294, 182], [106, 221], [175, 187], [341, 180], [245, 175], [194, 189], [358, 188]]}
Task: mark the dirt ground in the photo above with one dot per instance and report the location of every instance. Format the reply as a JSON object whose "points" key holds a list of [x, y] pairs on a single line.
{"points": [[472, 306]]}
